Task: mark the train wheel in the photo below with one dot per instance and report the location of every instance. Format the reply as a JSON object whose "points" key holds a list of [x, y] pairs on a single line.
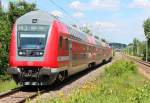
{"points": [[93, 64], [89, 66], [110, 59], [104, 61], [60, 77]]}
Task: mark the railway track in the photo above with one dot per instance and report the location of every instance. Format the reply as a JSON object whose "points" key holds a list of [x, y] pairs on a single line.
{"points": [[4, 94], [20, 95], [144, 67], [140, 61]]}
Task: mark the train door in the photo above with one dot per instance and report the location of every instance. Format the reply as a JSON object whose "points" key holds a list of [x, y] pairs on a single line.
{"points": [[70, 53]]}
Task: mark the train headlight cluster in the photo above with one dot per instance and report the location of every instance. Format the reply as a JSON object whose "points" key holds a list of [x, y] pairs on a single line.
{"points": [[39, 53], [30, 53], [22, 53]]}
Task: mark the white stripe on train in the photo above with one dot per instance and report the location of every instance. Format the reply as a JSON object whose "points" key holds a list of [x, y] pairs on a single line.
{"points": [[63, 58]]}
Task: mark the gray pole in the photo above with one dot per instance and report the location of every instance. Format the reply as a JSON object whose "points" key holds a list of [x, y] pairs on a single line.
{"points": [[137, 48], [132, 50], [147, 50]]}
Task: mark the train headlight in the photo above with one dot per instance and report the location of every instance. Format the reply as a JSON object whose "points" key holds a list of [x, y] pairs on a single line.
{"points": [[20, 53], [41, 53]]}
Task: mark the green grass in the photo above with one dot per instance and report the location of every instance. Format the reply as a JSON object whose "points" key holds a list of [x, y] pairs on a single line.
{"points": [[7, 85], [120, 84]]}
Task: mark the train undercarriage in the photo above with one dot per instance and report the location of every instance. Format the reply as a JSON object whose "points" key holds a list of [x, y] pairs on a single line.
{"points": [[33, 76]]}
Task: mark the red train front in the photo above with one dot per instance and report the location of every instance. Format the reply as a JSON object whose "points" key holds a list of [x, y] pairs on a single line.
{"points": [[43, 50]]}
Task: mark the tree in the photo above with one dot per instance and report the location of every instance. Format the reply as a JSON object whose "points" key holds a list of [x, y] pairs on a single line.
{"points": [[7, 19], [142, 49], [18, 9], [146, 26], [4, 40], [1, 8], [136, 46], [130, 48]]}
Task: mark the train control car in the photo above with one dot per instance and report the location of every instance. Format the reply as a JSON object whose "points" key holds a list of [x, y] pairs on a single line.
{"points": [[44, 50]]}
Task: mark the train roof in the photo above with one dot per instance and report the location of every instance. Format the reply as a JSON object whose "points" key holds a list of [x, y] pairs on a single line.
{"points": [[47, 18], [26, 18]]}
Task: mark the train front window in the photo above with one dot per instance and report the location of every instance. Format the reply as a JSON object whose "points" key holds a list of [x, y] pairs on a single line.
{"points": [[32, 41], [32, 36]]}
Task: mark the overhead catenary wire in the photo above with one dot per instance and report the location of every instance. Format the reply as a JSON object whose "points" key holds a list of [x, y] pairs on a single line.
{"points": [[62, 9], [68, 14]]}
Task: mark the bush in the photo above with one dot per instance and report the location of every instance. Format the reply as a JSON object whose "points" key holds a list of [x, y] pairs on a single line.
{"points": [[120, 67]]}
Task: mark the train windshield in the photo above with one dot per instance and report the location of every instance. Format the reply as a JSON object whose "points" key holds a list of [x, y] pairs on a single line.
{"points": [[32, 36], [32, 41]]}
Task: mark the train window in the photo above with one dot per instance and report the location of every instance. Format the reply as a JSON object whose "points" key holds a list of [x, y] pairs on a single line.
{"points": [[60, 42], [67, 43]]}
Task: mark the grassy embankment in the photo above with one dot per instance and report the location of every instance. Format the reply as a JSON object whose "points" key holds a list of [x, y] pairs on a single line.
{"points": [[120, 84], [7, 85]]}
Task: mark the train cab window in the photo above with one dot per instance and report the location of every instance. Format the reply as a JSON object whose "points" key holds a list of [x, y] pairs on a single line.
{"points": [[67, 43], [60, 42]]}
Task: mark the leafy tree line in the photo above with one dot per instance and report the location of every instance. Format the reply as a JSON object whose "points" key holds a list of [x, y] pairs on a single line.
{"points": [[146, 26], [141, 48], [7, 19], [137, 48]]}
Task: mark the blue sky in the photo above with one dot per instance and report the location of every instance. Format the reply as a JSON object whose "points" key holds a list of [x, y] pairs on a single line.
{"points": [[115, 20]]}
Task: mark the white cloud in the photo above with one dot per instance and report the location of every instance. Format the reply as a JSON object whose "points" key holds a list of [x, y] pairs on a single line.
{"points": [[57, 13], [78, 15], [120, 30], [96, 5], [106, 25], [106, 4], [140, 4], [76, 5]]}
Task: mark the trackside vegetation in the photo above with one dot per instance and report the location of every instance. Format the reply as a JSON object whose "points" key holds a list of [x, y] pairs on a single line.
{"points": [[7, 85], [120, 84], [7, 19]]}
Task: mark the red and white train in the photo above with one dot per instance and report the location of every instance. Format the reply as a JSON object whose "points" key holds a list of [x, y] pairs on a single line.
{"points": [[43, 50]]}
